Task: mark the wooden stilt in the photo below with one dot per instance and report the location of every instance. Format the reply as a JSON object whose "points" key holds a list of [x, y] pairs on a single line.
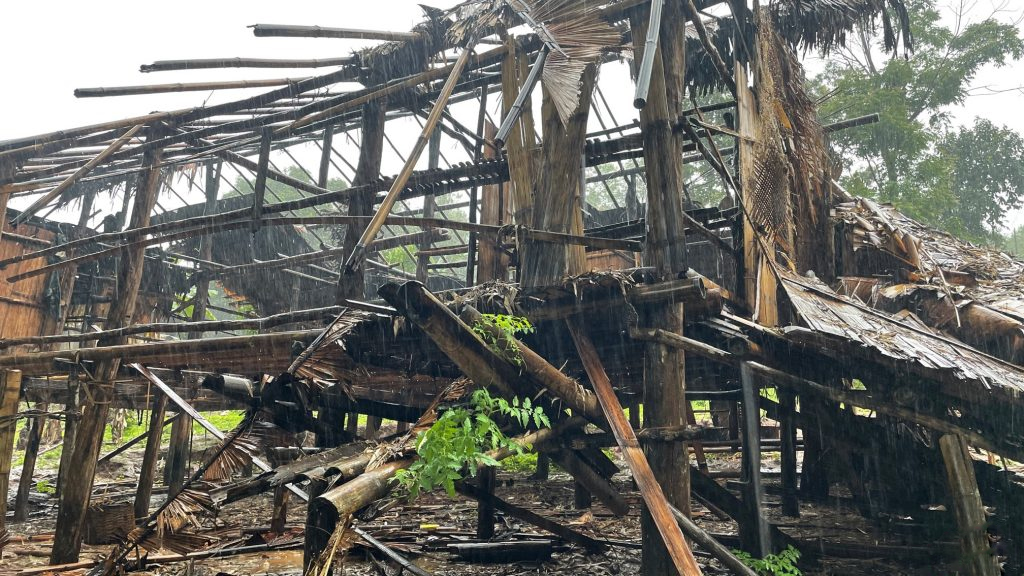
{"points": [[352, 424], [754, 531], [279, 516], [967, 507], [581, 497], [787, 423], [429, 205], [147, 473], [372, 427], [327, 148], [28, 468], [485, 508], [543, 469], [10, 394], [70, 430], [75, 498]]}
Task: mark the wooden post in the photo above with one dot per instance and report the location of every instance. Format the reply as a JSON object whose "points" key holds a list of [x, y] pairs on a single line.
{"points": [[371, 147], [147, 473], [557, 201], [372, 427], [10, 394], [70, 429], [543, 469], [967, 507], [485, 508], [325, 157], [279, 516], [523, 138], [495, 209], [74, 500], [429, 204], [664, 370], [754, 529], [787, 425], [28, 468]]}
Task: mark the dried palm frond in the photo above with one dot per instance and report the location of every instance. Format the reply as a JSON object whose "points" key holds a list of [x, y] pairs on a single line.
{"points": [[5, 538], [236, 455], [576, 37], [335, 333], [177, 542], [182, 511]]}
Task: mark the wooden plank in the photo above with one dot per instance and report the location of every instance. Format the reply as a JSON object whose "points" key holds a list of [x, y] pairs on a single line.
{"points": [[649, 488]]}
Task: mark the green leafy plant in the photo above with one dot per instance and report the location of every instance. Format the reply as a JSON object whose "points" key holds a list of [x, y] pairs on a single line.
{"points": [[509, 326], [781, 564], [460, 439], [45, 487]]}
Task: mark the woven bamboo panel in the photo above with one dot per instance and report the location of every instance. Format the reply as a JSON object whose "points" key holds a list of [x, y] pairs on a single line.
{"points": [[22, 311], [107, 523]]}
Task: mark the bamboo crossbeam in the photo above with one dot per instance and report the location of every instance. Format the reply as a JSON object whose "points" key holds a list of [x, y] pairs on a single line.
{"points": [[259, 324], [70, 180], [207, 63], [176, 353], [293, 31], [182, 87]]}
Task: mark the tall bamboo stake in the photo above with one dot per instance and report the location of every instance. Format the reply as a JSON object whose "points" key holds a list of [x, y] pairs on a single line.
{"points": [[355, 259]]}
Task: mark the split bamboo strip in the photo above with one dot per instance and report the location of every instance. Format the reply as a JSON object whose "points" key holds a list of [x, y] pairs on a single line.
{"points": [[182, 87], [69, 181], [651, 491]]}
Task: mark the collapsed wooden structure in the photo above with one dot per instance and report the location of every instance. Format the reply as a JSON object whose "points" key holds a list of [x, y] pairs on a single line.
{"points": [[896, 353]]}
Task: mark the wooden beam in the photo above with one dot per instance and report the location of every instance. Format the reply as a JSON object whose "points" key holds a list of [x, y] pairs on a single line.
{"points": [[651, 491], [977, 557]]}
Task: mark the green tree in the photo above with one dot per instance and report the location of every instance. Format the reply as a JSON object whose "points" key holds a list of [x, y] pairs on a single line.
{"points": [[913, 157]]}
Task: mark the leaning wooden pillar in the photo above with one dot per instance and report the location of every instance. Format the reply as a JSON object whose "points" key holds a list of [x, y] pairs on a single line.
{"points": [[977, 557], [74, 501], [10, 394], [28, 467], [279, 515], [665, 250]]}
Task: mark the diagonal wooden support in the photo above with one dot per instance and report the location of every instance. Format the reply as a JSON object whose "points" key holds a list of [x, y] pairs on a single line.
{"points": [[213, 430], [651, 491]]}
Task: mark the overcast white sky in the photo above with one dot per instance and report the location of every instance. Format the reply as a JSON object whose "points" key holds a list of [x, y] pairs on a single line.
{"points": [[51, 48]]}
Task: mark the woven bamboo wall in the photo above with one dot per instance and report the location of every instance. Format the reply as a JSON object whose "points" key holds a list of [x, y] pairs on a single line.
{"points": [[22, 312]]}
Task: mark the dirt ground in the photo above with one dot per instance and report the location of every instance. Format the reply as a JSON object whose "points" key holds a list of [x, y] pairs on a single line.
{"points": [[423, 530]]}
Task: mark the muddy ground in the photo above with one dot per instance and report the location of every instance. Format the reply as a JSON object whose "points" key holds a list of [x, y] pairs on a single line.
{"points": [[422, 531]]}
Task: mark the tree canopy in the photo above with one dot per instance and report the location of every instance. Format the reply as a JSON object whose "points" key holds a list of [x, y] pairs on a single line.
{"points": [[961, 179]]}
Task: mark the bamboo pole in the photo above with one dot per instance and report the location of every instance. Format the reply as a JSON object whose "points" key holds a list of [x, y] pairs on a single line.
{"points": [[646, 68], [207, 63], [147, 472], [100, 92], [70, 180], [650, 489], [354, 260], [292, 31], [514, 111]]}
